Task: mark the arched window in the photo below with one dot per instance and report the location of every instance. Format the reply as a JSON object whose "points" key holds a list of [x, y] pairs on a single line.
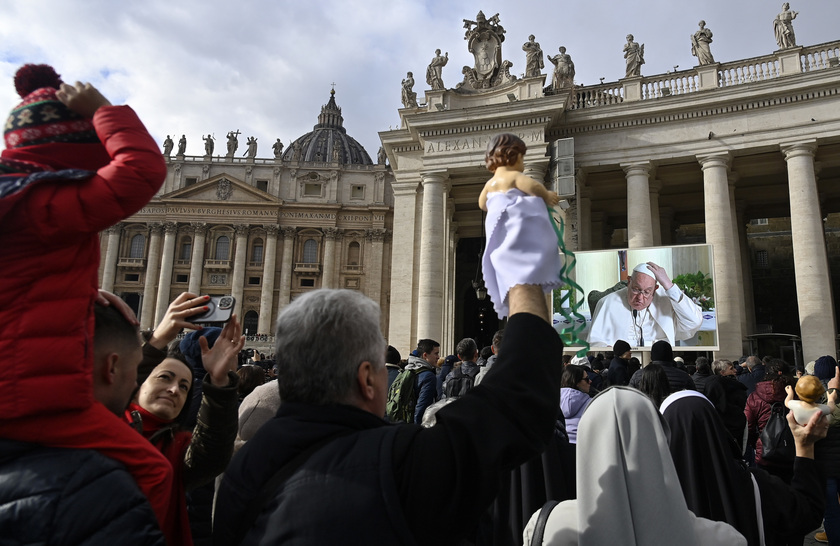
{"points": [[310, 251], [257, 251], [250, 322], [138, 246], [353, 253], [186, 249], [223, 248]]}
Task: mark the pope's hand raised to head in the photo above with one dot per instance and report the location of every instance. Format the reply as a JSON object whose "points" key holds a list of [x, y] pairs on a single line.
{"points": [[660, 275]]}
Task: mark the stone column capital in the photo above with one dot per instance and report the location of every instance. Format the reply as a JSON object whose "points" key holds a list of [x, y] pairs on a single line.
{"points": [[288, 232], [155, 228], [434, 177], [332, 233], [375, 235], [272, 230], [199, 228], [641, 168], [242, 230], [116, 229], [714, 160], [798, 149], [171, 228]]}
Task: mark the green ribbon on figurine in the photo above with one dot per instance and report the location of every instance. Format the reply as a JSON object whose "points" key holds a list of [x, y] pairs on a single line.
{"points": [[577, 321]]}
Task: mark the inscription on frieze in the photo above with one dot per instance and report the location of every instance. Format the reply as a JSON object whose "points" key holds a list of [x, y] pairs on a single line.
{"points": [[476, 143]]}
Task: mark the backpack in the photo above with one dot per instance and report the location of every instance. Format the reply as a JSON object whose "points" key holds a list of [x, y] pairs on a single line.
{"points": [[776, 439], [458, 384], [402, 397]]}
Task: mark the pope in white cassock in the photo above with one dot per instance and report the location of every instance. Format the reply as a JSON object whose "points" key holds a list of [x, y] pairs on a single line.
{"points": [[650, 309]]}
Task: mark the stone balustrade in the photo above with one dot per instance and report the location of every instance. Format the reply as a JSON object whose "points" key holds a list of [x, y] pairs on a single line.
{"points": [[745, 71]]}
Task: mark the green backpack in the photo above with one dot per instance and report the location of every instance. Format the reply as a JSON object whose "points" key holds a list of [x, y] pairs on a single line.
{"points": [[402, 397]]}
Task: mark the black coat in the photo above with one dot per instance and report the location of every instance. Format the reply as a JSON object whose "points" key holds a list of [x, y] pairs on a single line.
{"points": [[619, 373], [677, 378], [506, 420], [729, 397], [70, 497]]}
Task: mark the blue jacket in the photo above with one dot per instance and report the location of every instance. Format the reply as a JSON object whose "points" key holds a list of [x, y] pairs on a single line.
{"points": [[72, 497], [425, 386]]}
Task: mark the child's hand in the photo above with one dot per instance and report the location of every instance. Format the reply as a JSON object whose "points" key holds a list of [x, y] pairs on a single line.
{"points": [[82, 98], [552, 199]]}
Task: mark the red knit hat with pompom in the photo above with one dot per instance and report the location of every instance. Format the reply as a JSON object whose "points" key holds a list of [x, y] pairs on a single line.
{"points": [[41, 118]]}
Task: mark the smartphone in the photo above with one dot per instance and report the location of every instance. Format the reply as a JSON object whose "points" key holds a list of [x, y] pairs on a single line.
{"points": [[219, 310]]}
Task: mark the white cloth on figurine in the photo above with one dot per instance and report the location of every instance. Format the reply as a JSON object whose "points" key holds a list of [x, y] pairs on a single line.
{"points": [[671, 316], [521, 246]]}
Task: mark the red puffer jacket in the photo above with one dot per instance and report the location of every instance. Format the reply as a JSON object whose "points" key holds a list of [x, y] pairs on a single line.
{"points": [[49, 251], [757, 412]]}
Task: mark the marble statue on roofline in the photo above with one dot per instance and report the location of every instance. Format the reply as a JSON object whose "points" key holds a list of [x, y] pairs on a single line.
{"points": [[167, 146], [434, 73], [533, 57], [182, 145], [251, 151], [564, 70], [381, 156], [783, 27], [409, 97], [634, 57], [700, 48], [209, 144], [232, 142], [278, 148]]}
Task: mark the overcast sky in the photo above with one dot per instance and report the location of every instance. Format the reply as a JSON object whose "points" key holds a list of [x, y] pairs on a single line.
{"points": [[265, 67]]}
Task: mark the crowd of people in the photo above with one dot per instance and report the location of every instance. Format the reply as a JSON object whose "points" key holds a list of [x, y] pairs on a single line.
{"points": [[163, 439]]}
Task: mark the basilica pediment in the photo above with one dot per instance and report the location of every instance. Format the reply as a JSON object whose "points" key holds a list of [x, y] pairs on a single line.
{"points": [[221, 189]]}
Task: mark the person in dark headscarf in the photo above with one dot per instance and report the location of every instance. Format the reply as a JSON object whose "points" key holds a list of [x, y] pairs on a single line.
{"points": [[718, 486], [654, 383]]}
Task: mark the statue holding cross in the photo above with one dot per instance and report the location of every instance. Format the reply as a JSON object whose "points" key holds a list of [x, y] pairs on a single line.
{"points": [[232, 142]]}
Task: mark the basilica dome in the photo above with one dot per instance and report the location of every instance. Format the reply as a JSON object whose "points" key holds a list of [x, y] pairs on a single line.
{"points": [[328, 136]]}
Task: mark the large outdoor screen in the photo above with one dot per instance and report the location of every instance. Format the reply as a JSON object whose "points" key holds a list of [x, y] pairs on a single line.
{"points": [[632, 312]]}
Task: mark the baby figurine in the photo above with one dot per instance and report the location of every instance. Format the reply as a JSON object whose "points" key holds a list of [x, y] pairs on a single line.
{"points": [[809, 389], [521, 241]]}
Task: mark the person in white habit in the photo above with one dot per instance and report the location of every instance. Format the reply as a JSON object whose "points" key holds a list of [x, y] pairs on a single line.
{"points": [[631, 493], [651, 308]]}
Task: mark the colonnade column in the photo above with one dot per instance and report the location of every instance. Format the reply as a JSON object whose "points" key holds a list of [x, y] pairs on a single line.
{"points": [[432, 245], [586, 232], [746, 267], [286, 266], [237, 284], [264, 325], [655, 224], [376, 239], [147, 309], [719, 234], [328, 279], [402, 312], [639, 225], [813, 283], [197, 258], [736, 257], [165, 281], [111, 255]]}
